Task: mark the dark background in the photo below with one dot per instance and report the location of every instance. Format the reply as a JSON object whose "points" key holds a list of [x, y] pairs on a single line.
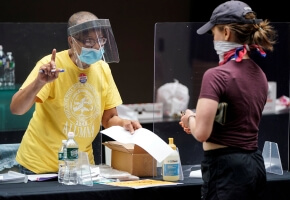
{"points": [[133, 24]]}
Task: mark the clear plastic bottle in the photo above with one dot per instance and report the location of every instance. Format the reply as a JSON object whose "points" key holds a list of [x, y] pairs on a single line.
{"points": [[72, 148], [61, 161], [2, 65], [9, 70], [170, 167]]}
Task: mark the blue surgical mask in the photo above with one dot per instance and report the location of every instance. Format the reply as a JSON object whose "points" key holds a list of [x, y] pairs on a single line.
{"points": [[90, 56]]}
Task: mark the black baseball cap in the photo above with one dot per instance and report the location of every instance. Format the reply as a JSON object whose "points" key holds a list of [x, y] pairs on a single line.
{"points": [[227, 13]]}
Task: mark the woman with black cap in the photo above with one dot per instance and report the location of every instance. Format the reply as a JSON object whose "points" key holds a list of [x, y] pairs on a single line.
{"points": [[233, 166]]}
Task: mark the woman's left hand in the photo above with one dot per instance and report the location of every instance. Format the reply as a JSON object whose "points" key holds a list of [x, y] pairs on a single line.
{"points": [[184, 120], [186, 129]]}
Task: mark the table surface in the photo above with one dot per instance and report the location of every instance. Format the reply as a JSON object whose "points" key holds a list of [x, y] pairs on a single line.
{"points": [[277, 185]]}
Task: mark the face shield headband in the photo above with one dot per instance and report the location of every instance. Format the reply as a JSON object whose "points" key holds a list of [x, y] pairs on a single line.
{"points": [[102, 29]]}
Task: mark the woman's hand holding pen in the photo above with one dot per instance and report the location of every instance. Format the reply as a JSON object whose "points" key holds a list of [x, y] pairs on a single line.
{"points": [[48, 72], [24, 98]]}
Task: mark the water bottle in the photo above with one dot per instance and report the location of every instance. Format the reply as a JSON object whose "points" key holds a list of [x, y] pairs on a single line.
{"points": [[9, 70], [2, 65], [61, 161], [170, 167], [72, 148]]}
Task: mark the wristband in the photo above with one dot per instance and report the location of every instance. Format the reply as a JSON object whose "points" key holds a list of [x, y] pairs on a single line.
{"points": [[189, 118]]}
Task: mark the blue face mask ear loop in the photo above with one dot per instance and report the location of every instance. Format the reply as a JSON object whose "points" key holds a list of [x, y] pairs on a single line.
{"points": [[101, 49], [103, 52]]}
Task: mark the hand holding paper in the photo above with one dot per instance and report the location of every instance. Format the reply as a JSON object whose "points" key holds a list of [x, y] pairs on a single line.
{"points": [[142, 137]]}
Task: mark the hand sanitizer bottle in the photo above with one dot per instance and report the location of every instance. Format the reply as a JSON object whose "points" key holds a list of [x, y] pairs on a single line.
{"points": [[171, 164]]}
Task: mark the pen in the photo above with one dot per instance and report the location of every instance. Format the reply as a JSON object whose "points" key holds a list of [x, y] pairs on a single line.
{"points": [[182, 113], [53, 70]]}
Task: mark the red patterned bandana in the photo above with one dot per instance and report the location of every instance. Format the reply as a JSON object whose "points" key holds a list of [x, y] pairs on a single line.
{"points": [[237, 54]]}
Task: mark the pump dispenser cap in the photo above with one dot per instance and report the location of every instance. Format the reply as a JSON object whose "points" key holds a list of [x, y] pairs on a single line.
{"points": [[71, 134], [171, 143]]}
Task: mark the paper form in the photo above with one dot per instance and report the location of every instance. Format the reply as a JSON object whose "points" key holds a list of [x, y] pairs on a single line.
{"points": [[142, 137]]}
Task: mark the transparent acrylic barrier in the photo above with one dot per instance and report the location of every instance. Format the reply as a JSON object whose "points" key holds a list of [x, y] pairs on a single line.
{"points": [[272, 159], [181, 177], [84, 170], [49, 35]]}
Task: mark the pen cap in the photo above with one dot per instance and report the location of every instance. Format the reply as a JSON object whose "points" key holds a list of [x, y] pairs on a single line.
{"points": [[171, 143]]}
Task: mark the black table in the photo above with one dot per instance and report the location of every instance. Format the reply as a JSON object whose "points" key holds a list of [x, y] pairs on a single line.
{"points": [[278, 187]]}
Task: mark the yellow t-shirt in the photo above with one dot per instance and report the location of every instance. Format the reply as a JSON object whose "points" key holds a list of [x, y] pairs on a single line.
{"points": [[75, 101]]}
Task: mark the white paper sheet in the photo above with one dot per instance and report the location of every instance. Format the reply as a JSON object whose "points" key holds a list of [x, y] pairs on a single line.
{"points": [[195, 174], [144, 138]]}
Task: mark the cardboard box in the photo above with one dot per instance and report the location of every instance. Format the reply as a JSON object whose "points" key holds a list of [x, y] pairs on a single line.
{"points": [[131, 158], [147, 110]]}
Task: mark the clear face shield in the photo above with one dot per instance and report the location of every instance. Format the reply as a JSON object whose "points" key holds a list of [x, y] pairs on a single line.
{"points": [[94, 41]]}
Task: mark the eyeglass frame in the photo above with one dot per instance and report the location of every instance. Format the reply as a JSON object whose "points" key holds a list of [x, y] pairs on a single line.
{"points": [[92, 42]]}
